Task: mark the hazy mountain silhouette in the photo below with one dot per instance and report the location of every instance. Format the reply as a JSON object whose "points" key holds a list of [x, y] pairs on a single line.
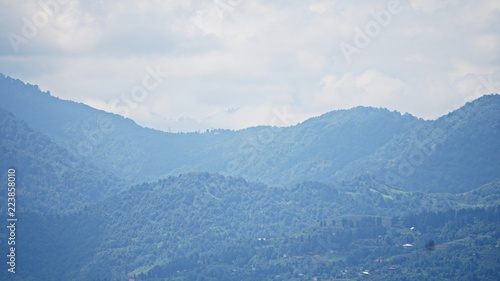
{"points": [[456, 152]]}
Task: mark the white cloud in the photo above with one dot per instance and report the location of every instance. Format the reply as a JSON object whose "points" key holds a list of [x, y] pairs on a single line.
{"points": [[233, 62], [320, 7], [371, 88], [430, 6]]}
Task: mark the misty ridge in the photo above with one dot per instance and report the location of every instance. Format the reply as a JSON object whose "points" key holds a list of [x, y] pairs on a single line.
{"points": [[364, 193]]}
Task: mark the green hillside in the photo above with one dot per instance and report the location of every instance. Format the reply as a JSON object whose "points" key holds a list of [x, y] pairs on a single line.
{"points": [[217, 228], [52, 179], [455, 153], [355, 194]]}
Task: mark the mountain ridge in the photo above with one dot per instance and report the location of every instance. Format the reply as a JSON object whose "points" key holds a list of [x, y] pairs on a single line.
{"points": [[72, 133], [101, 198], [421, 153], [336, 145]]}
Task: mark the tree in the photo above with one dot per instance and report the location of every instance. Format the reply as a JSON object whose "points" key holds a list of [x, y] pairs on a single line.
{"points": [[429, 246]]}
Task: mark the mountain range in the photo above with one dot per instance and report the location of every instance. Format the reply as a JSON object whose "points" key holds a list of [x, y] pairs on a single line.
{"points": [[406, 151], [103, 198]]}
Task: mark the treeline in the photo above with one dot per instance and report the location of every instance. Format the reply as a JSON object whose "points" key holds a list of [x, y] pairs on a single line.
{"points": [[454, 218]]}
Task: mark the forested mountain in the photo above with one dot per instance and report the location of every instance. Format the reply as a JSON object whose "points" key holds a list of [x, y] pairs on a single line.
{"points": [[309, 151], [455, 153], [406, 152], [53, 180], [335, 197]]}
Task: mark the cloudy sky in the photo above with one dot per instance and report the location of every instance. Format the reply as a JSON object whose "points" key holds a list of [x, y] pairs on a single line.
{"points": [[189, 65]]}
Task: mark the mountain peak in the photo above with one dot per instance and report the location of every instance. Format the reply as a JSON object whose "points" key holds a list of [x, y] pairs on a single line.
{"points": [[480, 109]]}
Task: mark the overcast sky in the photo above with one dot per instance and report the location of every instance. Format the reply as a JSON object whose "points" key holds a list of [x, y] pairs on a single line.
{"points": [[191, 65]]}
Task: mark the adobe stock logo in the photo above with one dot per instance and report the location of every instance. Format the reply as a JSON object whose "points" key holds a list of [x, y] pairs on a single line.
{"points": [[38, 20], [372, 29]]}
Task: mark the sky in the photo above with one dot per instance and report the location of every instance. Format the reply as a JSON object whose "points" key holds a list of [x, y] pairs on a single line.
{"points": [[192, 65]]}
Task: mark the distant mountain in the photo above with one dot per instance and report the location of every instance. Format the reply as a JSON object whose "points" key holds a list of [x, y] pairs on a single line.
{"points": [[315, 149], [111, 142], [310, 151], [455, 153]]}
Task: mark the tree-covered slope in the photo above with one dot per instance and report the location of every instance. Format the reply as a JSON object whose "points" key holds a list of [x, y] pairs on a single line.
{"points": [[324, 198], [108, 141], [457, 152], [312, 150], [209, 226], [50, 179], [467, 152], [319, 147]]}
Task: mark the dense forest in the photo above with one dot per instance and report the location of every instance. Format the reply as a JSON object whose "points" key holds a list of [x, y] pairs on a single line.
{"points": [[360, 194], [210, 227]]}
